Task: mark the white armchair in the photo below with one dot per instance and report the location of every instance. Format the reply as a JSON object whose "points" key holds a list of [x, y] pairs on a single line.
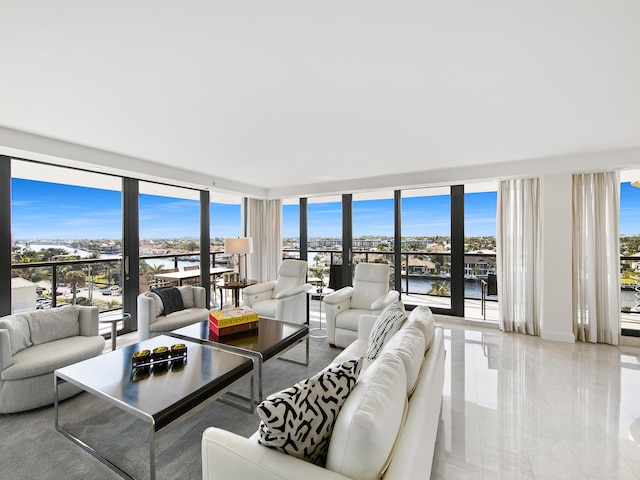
{"points": [[369, 295], [283, 299]]}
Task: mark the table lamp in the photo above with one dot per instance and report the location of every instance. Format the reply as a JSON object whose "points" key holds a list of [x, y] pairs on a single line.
{"points": [[239, 246]]}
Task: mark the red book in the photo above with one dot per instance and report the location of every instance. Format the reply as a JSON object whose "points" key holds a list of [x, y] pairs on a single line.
{"points": [[242, 327]]}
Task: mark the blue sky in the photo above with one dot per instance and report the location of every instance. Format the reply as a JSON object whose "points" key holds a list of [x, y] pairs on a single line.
{"points": [[54, 211]]}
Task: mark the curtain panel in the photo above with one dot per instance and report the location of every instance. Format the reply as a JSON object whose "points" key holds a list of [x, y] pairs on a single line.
{"points": [[596, 257], [264, 225], [519, 256]]}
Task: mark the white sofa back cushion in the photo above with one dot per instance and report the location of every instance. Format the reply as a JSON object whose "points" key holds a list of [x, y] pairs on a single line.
{"points": [[370, 420], [422, 317], [19, 335], [49, 325], [408, 344]]}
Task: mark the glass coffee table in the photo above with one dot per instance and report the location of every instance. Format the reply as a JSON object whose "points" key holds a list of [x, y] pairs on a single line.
{"points": [[161, 397], [271, 340]]}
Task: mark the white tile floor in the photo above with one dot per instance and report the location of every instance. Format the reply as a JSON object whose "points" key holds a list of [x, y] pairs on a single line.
{"points": [[517, 407]]}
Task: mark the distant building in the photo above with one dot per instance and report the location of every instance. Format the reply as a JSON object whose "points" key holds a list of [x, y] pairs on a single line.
{"points": [[23, 295]]}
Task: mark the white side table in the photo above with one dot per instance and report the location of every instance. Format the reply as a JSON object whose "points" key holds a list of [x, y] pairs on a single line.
{"points": [[113, 319], [318, 293]]}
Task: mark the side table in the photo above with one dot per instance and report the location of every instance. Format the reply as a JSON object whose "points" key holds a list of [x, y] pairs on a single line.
{"points": [[318, 293], [113, 319]]}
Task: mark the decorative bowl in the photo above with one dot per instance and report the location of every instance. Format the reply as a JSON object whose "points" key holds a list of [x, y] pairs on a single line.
{"points": [[160, 353]]}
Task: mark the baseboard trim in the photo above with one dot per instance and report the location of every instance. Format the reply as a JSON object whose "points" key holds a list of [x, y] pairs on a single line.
{"points": [[558, 337]]}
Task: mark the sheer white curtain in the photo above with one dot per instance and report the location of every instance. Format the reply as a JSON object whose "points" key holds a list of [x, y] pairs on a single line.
{"points": [[264, 225], [519, 257], [596, 257]]}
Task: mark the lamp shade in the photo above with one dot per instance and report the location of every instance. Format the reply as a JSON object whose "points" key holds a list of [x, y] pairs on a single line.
{"points": [[239, 245]]}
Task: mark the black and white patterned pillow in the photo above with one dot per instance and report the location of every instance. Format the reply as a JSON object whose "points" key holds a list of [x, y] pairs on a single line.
{"points": [[387, 324], [299, 420]]}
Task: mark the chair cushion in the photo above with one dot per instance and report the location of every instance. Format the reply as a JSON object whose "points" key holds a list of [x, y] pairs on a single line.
{"points": [[179, 319], [188, 300], [370, 421], [299, 420], [19, 334], [349, 319], [291, 273], [387, 324], [266, 308], [408, 344], [54, 324]]}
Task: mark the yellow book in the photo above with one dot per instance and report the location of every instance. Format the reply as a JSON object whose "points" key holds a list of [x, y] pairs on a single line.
{"points": [[235, 316]]}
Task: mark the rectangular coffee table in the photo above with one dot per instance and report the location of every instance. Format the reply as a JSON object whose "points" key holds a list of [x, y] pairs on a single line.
{"points": [[272, 339], [161, 398]]}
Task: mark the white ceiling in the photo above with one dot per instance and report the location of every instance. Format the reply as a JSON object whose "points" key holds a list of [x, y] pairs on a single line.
{"points": [[283, 97]]}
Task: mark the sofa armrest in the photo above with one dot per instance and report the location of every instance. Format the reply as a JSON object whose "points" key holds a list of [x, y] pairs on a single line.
{"points": [[227, 456], [290, 292], [365, 325], [146, 316], [88, 320], [5, 350], [339, 296], [259, 287], [384, 301], [199, 297]]}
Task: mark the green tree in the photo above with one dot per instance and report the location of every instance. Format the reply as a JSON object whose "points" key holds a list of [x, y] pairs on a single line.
{"points": [[75, 279]]}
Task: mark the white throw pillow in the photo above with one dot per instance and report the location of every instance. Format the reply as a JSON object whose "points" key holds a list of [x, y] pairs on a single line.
{"points": [[299, 420], [19, 335], [188, 299], [422, 317], [157, 302], [387, 324]]}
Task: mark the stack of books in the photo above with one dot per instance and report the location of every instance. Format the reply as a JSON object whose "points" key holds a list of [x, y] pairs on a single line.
{"points": [[226, 322]]}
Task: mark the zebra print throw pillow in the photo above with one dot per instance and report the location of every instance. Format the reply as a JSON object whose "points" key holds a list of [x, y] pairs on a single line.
{"points": [[299, 420], [387, 324]]}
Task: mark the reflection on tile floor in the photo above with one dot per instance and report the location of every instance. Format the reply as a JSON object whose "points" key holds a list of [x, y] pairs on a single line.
{"points": [[518, 407]]}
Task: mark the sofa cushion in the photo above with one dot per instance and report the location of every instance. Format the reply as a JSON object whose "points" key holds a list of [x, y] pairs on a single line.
{"points": [[19, 334], [157, 301], [47, 357], [387, 324], [188, 300], [408, 345], [54, 324], [299, 420], [422, 317], [369, 422], [179, 319]]}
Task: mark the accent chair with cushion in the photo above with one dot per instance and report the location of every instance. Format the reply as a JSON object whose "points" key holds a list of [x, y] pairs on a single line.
{"points": [[34, 344], [369, 296], [282, 299], [163, 309]]}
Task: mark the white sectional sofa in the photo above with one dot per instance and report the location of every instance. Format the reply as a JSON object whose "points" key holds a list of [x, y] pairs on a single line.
{"points": [[380, 430], [34, 344], [153, 321]]}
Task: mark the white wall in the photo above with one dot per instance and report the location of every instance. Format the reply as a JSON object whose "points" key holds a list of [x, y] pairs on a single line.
{"points": [[556, 309]]}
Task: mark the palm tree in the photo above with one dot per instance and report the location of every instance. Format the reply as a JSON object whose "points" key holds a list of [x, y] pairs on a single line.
{"points": [[75, 279]]}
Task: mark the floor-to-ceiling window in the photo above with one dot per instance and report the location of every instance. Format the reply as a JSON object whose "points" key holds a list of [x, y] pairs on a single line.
{"points": [[373, 228], [291, 228], [426, 246], [169, 230], [66, 227], [480, 288], [630, 252], [324, 246]]}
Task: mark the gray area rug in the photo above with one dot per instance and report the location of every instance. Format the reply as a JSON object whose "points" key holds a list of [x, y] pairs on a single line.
{"points": [[31, 448]]}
